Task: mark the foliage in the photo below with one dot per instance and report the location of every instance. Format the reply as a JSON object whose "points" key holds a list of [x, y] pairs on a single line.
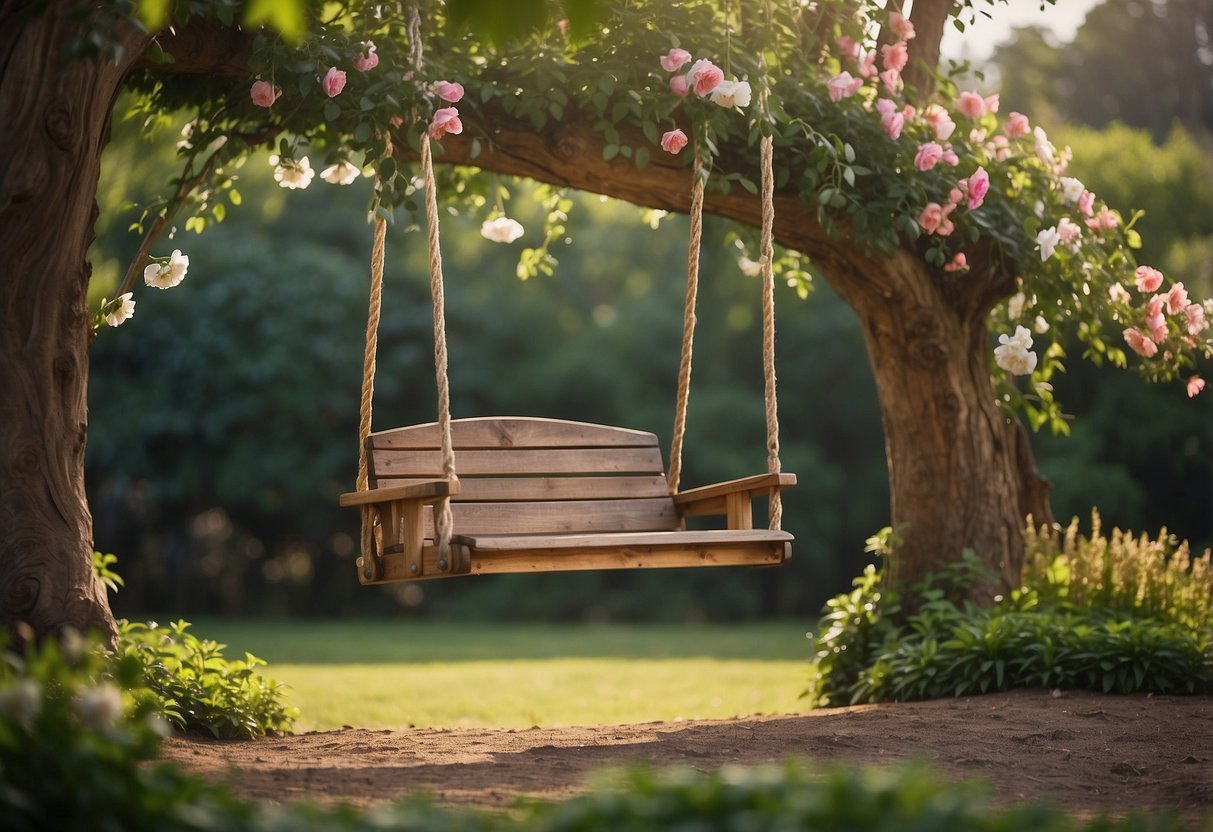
{"points": [[199, 689], [1092, 614]]}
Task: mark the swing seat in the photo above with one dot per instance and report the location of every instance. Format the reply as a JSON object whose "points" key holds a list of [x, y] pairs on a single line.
{"points": [[542, 495]]}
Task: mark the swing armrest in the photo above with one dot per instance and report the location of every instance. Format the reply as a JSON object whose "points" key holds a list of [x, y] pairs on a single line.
{"points": [[730, 498], [424, 492]]}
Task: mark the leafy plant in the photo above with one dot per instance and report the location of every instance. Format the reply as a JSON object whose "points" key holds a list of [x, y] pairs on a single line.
{"points": [[201, 690]]}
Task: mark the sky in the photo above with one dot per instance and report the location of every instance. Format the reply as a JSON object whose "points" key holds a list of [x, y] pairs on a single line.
{"points": [[979, 39]]}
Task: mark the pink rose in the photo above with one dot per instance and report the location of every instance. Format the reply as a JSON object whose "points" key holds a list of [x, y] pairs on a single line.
{"points": [[978, 185], [367, 61], [1177, 299], [959, 263], [1140, 343], [971, 105], [1068, 231], [1017, 125], [446, 120], [678, 85], [885, 107], [1086, 203], [957, 194], [1196, 318], [674, 141], [704, 77], [843, 86], [940, 122], [264, 94], [1105, 220], [901, 26], [334, 82], [946, 226], [448, 91], [892, 80], [675, 60], [991, 104], [1148, 279], [895, 55], [848, 47], [867, 65], [949, 156], [893, 124], [930, 217], [928, 156], [1195, 385]]}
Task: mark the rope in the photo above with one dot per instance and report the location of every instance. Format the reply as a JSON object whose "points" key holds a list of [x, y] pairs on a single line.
{"points": [[370, 562], [442, 510], [699, 177], [767, 249]]}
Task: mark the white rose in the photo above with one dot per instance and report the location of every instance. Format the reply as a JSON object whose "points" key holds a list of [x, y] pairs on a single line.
{"points": [[501, 230]]}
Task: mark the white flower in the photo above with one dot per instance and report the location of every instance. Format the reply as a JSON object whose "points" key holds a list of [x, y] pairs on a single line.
{"points": [[99, 707], [1117, 293], [21, 701], [1046, 241], [1014, 352], [732, 94], [1042, 326], [501, 230], [750, 268], [1015, 305], [1044, 148], [342, 173], [292, 174], [123, 309], [165, 273], [1071, 189]]}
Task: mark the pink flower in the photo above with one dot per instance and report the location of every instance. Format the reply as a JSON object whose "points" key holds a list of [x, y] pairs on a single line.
{"points": [[446, 120], [1105, 220], [369, 60], [959, 263], [940, 122], [1177, 299], [1195, 385], [957, 194], [1155, 321], [678, 85], [949, 156], [674, 141], [895, 55], [991, 104], [334, 82], [563, 26], [867, 65], [1148, 279], [843, 86], [1140, 343], [893, 124], [1016, 126], [971, 105], [1068, 231], [928, 156], [892, 80], [901, 26], [848, 47], [704, 77], [977, 186], [934, 219], [675, 59], [448, 91], [1196, 318], [264, 94], [1086, 203]]}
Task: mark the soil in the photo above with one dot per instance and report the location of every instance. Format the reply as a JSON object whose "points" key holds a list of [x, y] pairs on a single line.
{"points": [[1091, 753]]}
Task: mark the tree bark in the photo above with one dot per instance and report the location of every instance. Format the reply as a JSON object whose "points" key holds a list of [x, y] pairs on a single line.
{"points": [[55, 117]]}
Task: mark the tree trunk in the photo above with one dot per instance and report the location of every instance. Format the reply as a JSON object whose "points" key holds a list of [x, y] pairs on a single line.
{"points": [[55, 117]]}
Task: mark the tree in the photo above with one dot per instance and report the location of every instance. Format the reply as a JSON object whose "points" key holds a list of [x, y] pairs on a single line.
{"points": [[874, 220]]}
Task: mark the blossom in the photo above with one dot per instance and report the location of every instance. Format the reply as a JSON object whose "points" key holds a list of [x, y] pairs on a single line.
{"points": [[124, 308], [895, 55], [891, 120], [1086, 204], [369, 59], [1177, 299], [949, 156], [675, 59], [674, 141], [1068, 231], [848, 47], [1117, 293], [1105, 220], [1014, 353], [1196, 318], [970, 105], [165, 273], [448, 91], [1017, 125], [892, 80], [999, 147], [750, 268], [678, 85], [867, 65], [1042, 325], [1047, 241], [1015, 305], [901, 26], [446, 120], [99, 707], [1044, 148], [292, 174], [934, 219], [1071, 189], [342, 173], [843, 85], [704, 77], [732, 94], [928, 156], [991, 103], [21, 701], [1140, 344], [501, 230], [334, 82], [958, 263], [264, 94], [940, 122], [977, 186], [1195, 385]]}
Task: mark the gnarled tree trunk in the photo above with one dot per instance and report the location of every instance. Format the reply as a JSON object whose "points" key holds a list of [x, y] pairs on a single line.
{"points": [[54, 116]]}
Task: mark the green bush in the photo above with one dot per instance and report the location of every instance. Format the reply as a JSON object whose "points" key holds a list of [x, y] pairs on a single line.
{"points": [[201, 690]]}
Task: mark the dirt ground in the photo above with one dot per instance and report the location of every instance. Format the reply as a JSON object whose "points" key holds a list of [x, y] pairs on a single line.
{"points": [[1091, 753]]}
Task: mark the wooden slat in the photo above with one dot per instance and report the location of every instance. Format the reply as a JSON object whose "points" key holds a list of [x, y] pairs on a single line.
{"points": [[561, 517], [759, 483], [393, 463], [483, 543], [518, 489], [513, 432], [426, 489]]}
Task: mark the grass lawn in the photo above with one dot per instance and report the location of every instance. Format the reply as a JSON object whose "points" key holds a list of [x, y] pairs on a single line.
{"points": [[391, 674]]}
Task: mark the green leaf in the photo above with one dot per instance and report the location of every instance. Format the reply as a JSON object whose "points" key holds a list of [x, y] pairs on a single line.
{"points": [[609, 152], [331, 110]]}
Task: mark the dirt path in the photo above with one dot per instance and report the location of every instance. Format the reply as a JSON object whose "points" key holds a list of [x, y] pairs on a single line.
{"points": [[1088, 752]]}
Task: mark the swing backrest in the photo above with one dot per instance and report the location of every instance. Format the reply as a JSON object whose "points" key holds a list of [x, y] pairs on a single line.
{"points": [[523, 475]]}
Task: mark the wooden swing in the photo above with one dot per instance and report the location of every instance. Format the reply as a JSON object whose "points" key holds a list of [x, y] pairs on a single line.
{"points": [[541, 495]]}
